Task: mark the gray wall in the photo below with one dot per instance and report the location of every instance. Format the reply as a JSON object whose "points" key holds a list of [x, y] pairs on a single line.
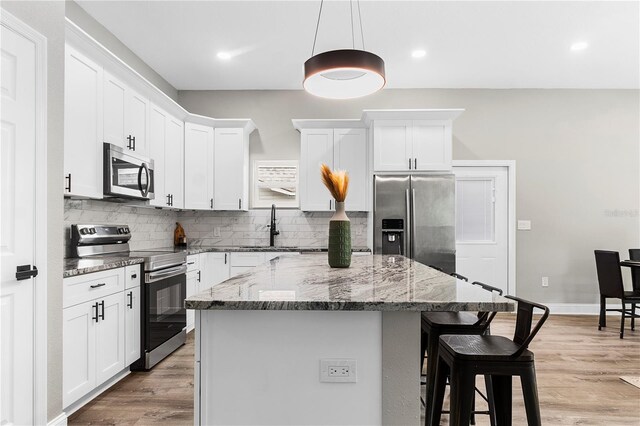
{"points": [[96, 30], [577, 154], [48, 19]]}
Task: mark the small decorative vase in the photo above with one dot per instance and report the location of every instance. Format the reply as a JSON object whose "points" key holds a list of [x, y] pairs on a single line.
{"points": [[339, 238]]}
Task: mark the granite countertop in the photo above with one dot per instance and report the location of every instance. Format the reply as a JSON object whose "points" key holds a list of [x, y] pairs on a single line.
{"points": [[372, 283], [75, 266]]}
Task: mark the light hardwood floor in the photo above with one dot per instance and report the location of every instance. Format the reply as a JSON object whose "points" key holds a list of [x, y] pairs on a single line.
{"points": [[578, 370]]}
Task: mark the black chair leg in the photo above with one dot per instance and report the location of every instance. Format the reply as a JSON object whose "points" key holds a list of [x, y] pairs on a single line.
{"points": [[434, 407], [530, 393], [622, 317], [462, 391], [633, 316], [503, 398], [488, 381], [602, 322], [472, 419], [423, 349], [433, 342]]}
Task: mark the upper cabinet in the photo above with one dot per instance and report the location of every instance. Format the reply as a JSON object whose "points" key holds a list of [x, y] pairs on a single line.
{"points": [[83, 128], [126, 116], [340, 148], [166, 148], [198, 167], [411, 140], [231, 169]]}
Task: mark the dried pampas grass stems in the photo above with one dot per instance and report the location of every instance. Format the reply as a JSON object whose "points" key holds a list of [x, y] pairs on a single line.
{"points": [[336, 182]]}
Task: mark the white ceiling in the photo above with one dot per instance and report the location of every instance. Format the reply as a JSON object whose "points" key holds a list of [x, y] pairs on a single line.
{"points": [[476, 44]]}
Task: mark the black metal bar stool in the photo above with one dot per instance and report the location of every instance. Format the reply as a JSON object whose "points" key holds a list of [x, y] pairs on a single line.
{"points": [[434, 325], [463, 357]]}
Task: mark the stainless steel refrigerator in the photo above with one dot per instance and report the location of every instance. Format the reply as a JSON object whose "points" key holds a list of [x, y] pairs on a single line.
{"points": [[414, 215]]}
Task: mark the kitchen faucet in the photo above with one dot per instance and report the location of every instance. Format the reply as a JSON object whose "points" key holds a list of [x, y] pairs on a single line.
{"points": [[273, 231]]}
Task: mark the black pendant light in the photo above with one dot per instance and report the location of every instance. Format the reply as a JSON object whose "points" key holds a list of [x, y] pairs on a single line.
{"points": [[344, 73]]}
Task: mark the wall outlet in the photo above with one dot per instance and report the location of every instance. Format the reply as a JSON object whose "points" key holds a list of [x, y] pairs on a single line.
{"points": [[545, 281], [338, 370], [524, 225], [216, 231]]}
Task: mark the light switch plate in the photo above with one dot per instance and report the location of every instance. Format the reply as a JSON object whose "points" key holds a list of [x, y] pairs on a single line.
{"points": [[524, 225], [338, 371]]}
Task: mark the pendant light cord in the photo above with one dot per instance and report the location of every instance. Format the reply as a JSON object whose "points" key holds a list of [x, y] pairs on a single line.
{"points": [[315, 37], [353, 40], [361, 30]]}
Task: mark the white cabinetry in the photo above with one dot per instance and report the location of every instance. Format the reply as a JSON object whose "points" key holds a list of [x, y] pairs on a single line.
{"points": [[198, 167], [79, 351], [242, 262], [166, 149], [214, 269], [132, 316], [126, 116], [231, 169], [83, 126], [340, 149], [194, 277], [392, 148], [109, 330]]}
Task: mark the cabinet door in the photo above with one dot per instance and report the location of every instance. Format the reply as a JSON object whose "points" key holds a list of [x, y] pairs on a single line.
{"points": [[350, 154], [230, 170], [198, 167], [192, 288], [316, 148], [83, 126], [110, 337], [78, 351], [432, 145], [215, 269], [174, 162], [157, 141], [132, 342], [392, 145], [115, 99], [137, 124]]}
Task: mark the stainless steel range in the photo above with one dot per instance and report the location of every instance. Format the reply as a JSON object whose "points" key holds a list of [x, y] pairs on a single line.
{"points": [[164, 289]]}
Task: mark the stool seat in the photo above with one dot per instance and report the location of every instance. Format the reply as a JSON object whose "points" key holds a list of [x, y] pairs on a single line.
{"points": [[485, 348], [449, 318]]}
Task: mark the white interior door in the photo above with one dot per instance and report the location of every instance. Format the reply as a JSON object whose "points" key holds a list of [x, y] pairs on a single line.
{"points": [[17, 244], [482, 224]]}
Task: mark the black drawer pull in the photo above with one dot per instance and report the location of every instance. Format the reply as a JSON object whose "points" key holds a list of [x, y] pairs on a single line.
{"points": [[98, 285], [95, 318], [130, 296]]}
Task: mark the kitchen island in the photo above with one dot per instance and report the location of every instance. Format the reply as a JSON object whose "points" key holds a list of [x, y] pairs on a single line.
{"points": [[297, 342]]}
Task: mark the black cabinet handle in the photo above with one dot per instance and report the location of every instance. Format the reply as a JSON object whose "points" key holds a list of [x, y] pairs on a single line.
{"points": [[24, 272], [134, 143], [171, 195], [415, 164], [130, 296], [409, 163], [134, 276], [199, 276], [95, 306], [239, 203], [190, 263], [168, 199], [130, 142], [102, 314], [225, 258], [68, 179], [212, 203], [98, 285]]}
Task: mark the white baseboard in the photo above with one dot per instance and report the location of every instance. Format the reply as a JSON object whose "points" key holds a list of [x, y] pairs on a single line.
{"points": [[97, 391], [61, 420]]}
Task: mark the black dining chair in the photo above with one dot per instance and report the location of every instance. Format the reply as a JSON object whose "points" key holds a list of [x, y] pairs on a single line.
{"points": [[435, 324], [462, 358], [612, 286], [634, 254]]}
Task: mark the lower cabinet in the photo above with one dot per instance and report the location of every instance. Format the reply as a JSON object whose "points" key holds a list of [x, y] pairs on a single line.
{"points": [[192, 288], [132, 318], [242, 262], [215, 269]]}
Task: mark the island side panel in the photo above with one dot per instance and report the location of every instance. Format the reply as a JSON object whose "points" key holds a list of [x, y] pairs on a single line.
{"points": [[401, 368], [263, 367]]}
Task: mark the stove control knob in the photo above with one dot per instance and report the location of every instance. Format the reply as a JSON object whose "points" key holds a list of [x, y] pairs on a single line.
{"points": [[120, 230], [92, 230], [126, 230], [83, 231]]}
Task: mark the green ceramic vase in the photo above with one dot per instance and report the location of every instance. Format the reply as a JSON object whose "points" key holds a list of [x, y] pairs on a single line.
{"points": [[339, 238]]}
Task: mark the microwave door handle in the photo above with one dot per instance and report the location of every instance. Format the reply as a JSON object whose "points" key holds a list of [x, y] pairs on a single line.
{"points": [[144, 191]]}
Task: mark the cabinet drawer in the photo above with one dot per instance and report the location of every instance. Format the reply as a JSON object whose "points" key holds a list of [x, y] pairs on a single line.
{"points": [[193, 263], [132, 276], [247, 259], [83, 288]]}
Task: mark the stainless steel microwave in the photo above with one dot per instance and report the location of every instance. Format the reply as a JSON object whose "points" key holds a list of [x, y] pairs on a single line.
{"points": [[127, 174]]}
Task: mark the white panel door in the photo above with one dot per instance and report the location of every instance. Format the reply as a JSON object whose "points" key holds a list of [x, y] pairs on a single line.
{"points": [[350, 154], [174, 162], [78, 351], [229, 170], [392, 145], [110, 337], [137, 124], [132, 325], [431, 142], [83, 121], [158, 120], [482, 224], [215, 269], [198, 167], [316, 148], [114, 111], [17, 244]]}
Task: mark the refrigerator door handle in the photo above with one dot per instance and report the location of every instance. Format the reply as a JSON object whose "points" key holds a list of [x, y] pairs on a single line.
{"points": [[408, 234], [413, 215]]}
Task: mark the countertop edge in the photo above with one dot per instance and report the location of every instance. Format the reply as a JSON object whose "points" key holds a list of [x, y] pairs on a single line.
{"points": [[68, 273]]}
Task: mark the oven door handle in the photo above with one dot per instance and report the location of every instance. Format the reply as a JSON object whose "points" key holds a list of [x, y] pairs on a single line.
{"points": [[167, 273], [144, 190]]}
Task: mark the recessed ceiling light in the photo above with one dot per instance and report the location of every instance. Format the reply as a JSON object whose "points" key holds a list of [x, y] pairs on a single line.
{"points": [[419, 53], [224, 56], [580, 45]]}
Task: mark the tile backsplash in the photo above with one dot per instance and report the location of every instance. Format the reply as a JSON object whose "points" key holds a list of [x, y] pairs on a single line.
{"points": [[153, 228]]}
